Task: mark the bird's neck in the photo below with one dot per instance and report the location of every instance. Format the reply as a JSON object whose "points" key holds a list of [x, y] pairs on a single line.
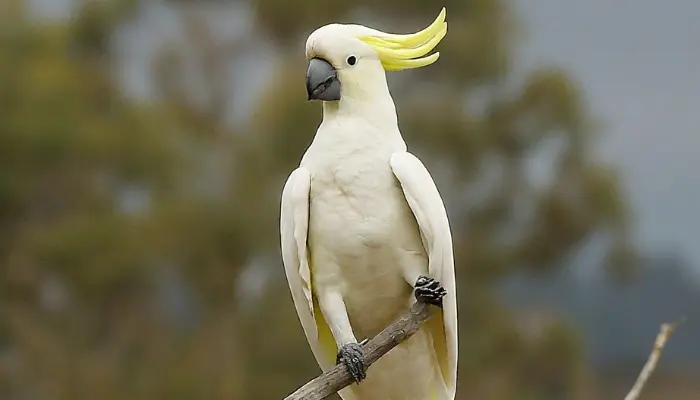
{"points": [[371, 102]]}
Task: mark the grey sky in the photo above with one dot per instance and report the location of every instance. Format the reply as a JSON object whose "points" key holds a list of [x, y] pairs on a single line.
{"points": [[639, 64]]}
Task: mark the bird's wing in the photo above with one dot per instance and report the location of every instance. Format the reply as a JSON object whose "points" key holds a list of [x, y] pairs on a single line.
{"points": [[424, 200], [294, 225]]}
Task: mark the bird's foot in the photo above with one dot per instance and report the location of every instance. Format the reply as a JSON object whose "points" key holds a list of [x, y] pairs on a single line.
{"points": [[428, 290], [352, 356]]}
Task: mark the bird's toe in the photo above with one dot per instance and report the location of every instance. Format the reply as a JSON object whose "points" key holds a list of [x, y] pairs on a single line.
{"points": [[352, 356]]}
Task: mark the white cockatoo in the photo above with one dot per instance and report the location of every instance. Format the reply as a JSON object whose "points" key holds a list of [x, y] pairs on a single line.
{"points": [[364, 232]]}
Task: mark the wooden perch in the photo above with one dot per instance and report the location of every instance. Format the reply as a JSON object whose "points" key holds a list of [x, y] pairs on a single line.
{"points": [[338, 377], [661, 339]]}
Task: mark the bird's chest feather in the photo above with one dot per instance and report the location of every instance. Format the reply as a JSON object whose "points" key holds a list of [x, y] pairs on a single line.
{"points": [[360, 232], [356, 199]]}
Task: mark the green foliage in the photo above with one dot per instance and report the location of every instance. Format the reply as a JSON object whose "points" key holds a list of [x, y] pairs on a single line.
{"points": [[78, 258], [82, 262]]}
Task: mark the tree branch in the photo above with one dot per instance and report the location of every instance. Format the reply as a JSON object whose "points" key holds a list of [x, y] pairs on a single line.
{"points": [[337, 378], [661, 339]]}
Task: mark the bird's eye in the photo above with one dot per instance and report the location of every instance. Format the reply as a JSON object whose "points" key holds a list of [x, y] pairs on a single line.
{"points": [[352, 60]]}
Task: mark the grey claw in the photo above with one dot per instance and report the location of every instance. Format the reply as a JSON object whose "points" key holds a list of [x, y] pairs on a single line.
{"points": [[430, 291], [352, 356]]}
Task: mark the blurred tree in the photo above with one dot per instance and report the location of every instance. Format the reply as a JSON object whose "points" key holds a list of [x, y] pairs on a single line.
{"points": [[125, 226], [98, 226]]}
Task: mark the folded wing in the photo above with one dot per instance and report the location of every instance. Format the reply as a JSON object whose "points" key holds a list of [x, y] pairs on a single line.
{"points": [[424, 200], [294, 226]]}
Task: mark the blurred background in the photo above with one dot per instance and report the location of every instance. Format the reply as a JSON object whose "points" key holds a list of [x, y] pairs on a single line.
{"points": [[144, 146]]}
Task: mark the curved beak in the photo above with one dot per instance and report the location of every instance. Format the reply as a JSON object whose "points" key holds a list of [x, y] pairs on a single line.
{"points": [[322, 81]]}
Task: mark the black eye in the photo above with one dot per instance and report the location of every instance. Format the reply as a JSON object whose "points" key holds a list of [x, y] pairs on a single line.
{"points": [[352, 60]]}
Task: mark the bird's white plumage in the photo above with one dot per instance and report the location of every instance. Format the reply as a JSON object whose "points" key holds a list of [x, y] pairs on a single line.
{"points": [[427, 206], [361, 220], [294, 223], [375, 222]]}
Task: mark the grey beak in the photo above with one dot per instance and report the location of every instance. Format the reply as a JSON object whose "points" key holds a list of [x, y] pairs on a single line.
{"points": [[322, 81]]}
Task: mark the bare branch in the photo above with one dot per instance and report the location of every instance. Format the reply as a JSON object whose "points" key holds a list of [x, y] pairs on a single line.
{"points": [[661, 339], [337, 378]]}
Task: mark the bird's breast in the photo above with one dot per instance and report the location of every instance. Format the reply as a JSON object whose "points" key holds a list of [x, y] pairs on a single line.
{"points": [[361, 231], [360, 201]]}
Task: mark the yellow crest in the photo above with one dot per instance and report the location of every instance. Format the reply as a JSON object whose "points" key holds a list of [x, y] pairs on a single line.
{"points": [[399, 52]]}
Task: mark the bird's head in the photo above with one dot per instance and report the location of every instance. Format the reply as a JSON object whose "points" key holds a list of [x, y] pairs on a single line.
{"points": [[349, 60]]}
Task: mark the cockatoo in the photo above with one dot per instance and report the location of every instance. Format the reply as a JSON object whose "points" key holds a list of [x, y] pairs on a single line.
{"points": [[364, 232]]}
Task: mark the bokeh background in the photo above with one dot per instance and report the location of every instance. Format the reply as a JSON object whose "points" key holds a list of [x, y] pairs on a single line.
{"points": [[144, 145]]}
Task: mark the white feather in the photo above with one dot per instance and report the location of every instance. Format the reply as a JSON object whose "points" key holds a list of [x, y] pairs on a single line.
{"points": [[425, 202], [294, 217], [361, 221], [375, 222]]}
